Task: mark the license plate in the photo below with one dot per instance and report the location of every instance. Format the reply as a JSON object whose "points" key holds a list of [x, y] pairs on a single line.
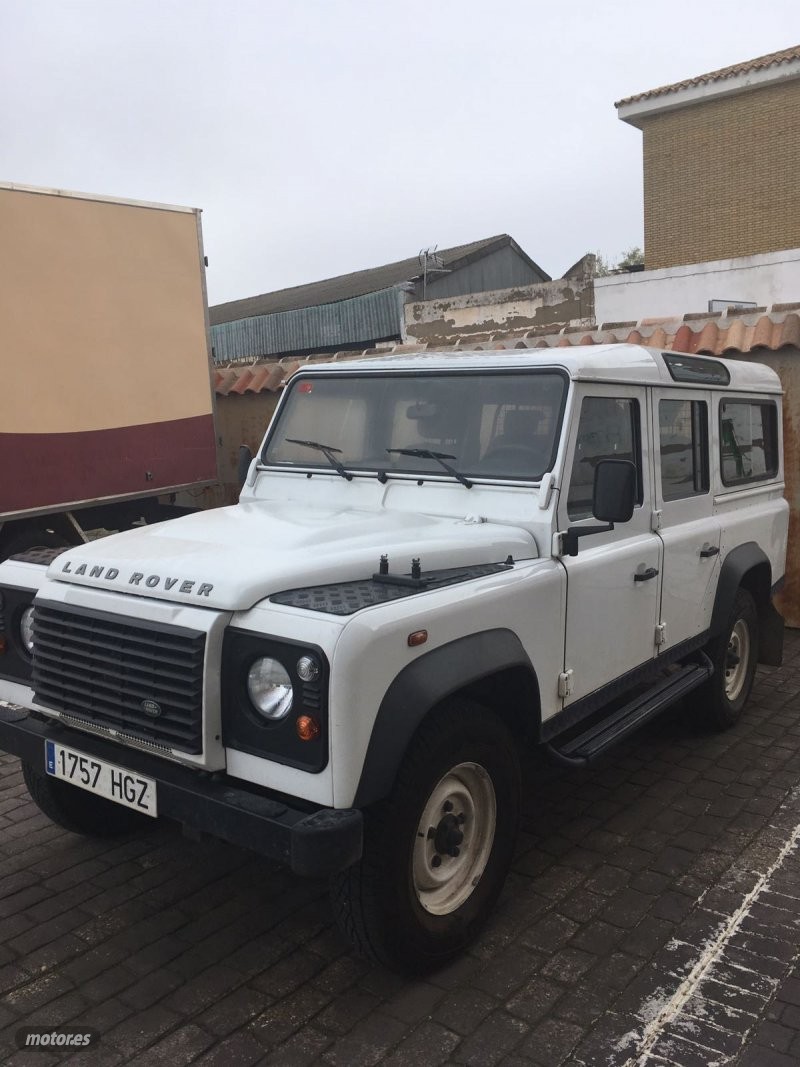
{"points": [[104, 779]]}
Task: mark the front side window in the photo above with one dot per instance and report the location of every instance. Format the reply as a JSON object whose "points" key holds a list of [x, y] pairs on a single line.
{"points": [[484, 425], [683, 444], [608, 429], [748, 437]]}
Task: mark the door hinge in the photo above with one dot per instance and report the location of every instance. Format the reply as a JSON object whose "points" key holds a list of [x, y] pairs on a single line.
{"points": [[565, 684], [655, 521], [661, 633]]}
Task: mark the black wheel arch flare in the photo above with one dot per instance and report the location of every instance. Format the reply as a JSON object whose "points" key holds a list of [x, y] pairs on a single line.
{"points": [[748, 566], [430, 679]]}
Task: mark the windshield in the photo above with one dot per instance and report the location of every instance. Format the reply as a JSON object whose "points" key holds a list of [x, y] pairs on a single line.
{"points": [[487, 424]]}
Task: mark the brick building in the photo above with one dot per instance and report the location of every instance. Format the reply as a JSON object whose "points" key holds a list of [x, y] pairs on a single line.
{"points": [[721, 162]]}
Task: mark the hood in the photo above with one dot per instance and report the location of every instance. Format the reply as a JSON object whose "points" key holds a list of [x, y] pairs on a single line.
{"points": [[231, 558]]}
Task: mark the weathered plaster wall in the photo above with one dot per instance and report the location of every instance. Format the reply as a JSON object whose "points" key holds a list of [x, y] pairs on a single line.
{"points": [[786, 364], [459, 319]]}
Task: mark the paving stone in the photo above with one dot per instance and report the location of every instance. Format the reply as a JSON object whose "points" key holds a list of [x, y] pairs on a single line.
{"points": [[551, 1042], [508, 971], [365, 1045], [235, 1010], [569, 964], [494, 1037], [773, 1035], [597, 937], [302, 1049], [550, 932], [427, 1046], [290, 972], [464, 1009], [615, 1036], [343, 1012], [273, 1026], [238, 1050], [417, 1001], [141, 1030], [714, 1038], [182, 1046]]}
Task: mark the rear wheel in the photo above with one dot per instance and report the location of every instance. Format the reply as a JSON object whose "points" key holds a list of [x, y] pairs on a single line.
{"points": [[436, 853], [77, 810], [735, 656]]}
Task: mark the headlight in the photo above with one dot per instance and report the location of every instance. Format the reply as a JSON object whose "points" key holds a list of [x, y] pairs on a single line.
{"points": [[270, 688], [26, 629]]}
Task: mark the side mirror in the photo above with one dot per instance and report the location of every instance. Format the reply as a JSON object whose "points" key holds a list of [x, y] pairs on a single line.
{"points": [[614, 494], [613, 499], [243, 465]]}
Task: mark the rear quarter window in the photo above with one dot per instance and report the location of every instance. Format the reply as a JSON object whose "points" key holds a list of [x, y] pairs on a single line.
{"points": [[748, 438]]}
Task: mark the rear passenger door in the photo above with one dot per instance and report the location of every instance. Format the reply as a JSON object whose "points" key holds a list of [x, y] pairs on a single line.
{"points": [[684, 515]]}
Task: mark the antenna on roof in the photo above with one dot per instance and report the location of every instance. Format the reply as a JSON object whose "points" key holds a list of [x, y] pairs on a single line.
{"points": [[432, 263]]}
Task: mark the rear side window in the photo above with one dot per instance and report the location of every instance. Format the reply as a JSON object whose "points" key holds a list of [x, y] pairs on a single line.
{"points": [[683, 444], [748, 435]]}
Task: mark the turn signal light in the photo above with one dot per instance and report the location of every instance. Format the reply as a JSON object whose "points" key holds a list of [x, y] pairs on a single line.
{"points": [[419, 637], [307, 728]]}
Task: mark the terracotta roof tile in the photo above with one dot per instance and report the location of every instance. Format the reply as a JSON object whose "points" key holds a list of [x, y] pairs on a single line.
{"points": [[706, 340], [242, 382], [790, 335], [763, 332], [712, 334], [683, 339], [736, 338], [747, 67]]}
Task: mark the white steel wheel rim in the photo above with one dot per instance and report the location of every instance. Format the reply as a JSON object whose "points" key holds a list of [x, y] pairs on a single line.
{"points": [[738, 645], [462, 802]]}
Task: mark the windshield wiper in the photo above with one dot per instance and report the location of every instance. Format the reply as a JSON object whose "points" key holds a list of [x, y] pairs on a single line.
{"points": [[328, 453], [440, 457]]}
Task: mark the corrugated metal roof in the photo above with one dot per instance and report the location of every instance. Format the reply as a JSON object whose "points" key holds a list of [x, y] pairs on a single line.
{"points": [[347, 286], [698, 334], [747, 67], [363, 319]]}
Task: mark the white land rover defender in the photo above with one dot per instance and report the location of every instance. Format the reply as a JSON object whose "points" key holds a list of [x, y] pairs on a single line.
{"points": [[436, 560]]}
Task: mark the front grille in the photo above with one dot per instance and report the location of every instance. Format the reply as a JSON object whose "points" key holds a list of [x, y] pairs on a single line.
{"points": [[104, 670]]}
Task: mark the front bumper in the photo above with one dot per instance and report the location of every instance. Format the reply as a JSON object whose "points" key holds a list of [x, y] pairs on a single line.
{"points": [[313, 842]]}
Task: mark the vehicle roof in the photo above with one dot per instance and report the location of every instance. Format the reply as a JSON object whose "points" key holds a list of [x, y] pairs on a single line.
{"points": [[631, 364]]}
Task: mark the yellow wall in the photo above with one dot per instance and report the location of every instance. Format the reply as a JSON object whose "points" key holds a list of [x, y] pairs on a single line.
{"points": [[102, 318], [722, 178]]}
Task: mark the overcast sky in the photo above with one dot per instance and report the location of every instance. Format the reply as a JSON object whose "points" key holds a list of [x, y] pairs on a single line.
{"points": [[325, 137]]}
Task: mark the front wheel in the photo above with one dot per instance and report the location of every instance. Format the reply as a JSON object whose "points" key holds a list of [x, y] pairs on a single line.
{"points": [[436, 853], [735, 656]]}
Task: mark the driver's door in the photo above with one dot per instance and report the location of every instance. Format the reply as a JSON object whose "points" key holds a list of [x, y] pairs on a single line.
{"points": [[614, 583]]}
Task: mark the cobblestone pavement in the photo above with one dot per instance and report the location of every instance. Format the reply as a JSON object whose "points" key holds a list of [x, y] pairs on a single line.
{"points": [[651, 918]]}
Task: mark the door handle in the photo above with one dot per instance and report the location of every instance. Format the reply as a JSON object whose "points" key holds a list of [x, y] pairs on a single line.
{"points": [[708, 550], [645, 575]]}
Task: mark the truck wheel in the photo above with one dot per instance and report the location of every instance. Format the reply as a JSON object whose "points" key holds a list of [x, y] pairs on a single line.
{"points": [[734, 655], [437, 851], [79, 811]]}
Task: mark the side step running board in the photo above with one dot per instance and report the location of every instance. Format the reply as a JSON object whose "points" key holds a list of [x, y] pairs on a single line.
{"points": [[592, 742]]}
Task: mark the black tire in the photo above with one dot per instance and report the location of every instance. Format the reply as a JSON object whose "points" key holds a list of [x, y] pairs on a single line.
{"points": [[79, 811], [460, 752], [721, 699]]}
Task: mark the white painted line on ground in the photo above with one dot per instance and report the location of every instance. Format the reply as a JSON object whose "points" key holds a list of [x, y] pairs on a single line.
{"points": [[660, 1011]]}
